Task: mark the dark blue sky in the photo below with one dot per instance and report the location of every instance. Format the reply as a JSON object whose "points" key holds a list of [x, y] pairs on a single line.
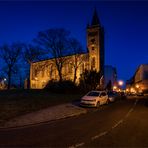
{"points": [[125, 23]]}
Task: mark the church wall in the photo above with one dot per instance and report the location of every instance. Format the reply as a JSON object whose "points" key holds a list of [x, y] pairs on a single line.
{"points": [[43, 71]]}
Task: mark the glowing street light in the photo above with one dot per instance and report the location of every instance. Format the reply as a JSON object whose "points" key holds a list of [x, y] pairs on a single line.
{"points": [[114, 87], [120, 83]]}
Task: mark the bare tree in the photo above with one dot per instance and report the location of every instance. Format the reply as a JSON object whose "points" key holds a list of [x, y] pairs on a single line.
{"points": [[77, 50], [55, 41], [32, 53], [10, 56]]}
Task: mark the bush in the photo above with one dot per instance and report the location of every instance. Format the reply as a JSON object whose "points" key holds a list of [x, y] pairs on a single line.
{"points": [[65, 86], [89, 80]]}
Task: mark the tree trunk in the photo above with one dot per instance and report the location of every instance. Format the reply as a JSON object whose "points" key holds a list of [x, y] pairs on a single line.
{"points": [[75, 75], [9, 79], [60, 74]]}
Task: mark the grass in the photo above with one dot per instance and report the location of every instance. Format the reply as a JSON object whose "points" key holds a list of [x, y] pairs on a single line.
{"points": [[14, 103]]}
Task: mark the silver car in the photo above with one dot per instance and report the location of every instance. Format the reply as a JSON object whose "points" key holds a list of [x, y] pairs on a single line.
{"points": [[95, 98]]}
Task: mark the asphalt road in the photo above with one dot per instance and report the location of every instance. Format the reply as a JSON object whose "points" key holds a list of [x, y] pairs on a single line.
{"points": [[120, 124]]}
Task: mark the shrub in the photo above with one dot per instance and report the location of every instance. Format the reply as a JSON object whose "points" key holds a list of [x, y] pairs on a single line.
{"points": [[89, 80], [65, 86]]}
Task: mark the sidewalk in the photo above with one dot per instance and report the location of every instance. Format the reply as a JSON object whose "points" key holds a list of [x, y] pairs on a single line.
{"points": [[48, 114]]}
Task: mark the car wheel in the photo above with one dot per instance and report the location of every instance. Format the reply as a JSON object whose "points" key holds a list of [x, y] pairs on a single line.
{"points": [[98, 104]]}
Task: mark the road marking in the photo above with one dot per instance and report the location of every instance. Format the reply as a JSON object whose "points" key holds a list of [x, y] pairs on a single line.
{"points": [[100, 135], [119, 122], [135, 102], [71, 146], [80, 144], [129, 112], [104, 133], [77, 145]]}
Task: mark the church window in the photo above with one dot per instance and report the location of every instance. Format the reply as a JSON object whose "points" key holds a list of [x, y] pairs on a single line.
{"points": [[35, 72], [82, 68], [93, 63], [70, 68], [93, 48], [48, 70], [42, 73], [51, 71], [93, 41]]}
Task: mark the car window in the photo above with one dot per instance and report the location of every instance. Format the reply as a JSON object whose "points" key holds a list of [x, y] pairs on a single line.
{"points": [[93, 94], [111, 93]]}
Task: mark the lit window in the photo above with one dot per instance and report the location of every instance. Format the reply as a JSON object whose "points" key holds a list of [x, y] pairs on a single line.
{"points": [[93, 63], [93, 48]]}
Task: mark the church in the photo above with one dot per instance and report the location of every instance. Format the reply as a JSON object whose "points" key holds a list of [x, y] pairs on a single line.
{"points": [[43, 71]]}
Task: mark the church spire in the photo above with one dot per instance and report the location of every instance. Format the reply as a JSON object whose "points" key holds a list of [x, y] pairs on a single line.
{"points": [[95, 19]]}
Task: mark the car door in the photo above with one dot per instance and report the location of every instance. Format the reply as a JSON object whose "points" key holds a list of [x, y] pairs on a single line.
{"points": [[103, 97]]}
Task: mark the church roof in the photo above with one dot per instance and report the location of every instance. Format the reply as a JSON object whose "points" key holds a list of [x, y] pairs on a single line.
{"points": [[95, 19], [51, 58]]}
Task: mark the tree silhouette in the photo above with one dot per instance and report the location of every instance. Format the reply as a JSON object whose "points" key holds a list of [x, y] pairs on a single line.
{"points": [[76, 49], [55, 42], [10, 55]]}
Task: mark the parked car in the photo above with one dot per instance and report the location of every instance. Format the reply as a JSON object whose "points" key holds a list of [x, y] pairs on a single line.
{"points": [[140, 94], [95, 99], [112, 96]]}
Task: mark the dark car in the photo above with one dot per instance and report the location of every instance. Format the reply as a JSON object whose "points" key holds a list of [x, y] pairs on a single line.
{"points": [[122, 95], [113, 96]]}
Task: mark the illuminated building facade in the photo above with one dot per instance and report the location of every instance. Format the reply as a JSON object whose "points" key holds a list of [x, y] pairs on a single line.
{"points": [[139, 82], [43, 71]]}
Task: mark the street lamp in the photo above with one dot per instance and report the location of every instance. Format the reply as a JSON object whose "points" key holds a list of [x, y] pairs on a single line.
{"points": [[120, 82]]}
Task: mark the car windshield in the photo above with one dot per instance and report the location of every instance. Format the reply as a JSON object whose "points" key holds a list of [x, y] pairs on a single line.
{"points": [[93, 93]]}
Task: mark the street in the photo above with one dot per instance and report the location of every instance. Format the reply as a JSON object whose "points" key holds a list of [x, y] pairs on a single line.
{"points": [[123, 123]]}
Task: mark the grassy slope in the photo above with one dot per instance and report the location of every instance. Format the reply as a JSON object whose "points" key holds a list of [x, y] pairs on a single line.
{"points": [[18, 102]]}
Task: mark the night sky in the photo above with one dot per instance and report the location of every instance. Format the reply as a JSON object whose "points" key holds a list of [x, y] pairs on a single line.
{"points": [[125, 24]]}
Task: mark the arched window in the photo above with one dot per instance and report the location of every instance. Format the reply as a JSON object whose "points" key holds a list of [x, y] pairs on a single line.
{"points": [[93, 63]]}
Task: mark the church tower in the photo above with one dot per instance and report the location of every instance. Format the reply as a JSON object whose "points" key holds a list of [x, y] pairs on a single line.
{"points": [[95, 44]]}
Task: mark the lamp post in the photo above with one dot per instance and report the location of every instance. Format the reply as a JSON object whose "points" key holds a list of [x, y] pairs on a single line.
{"points": [[120, 83]]}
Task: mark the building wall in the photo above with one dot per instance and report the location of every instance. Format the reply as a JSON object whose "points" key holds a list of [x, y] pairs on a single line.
{"points": [[140, 81], [43, 71]]}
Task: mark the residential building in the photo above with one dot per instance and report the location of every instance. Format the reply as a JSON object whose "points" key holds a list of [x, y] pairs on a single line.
{"points": [[139, 82]]}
